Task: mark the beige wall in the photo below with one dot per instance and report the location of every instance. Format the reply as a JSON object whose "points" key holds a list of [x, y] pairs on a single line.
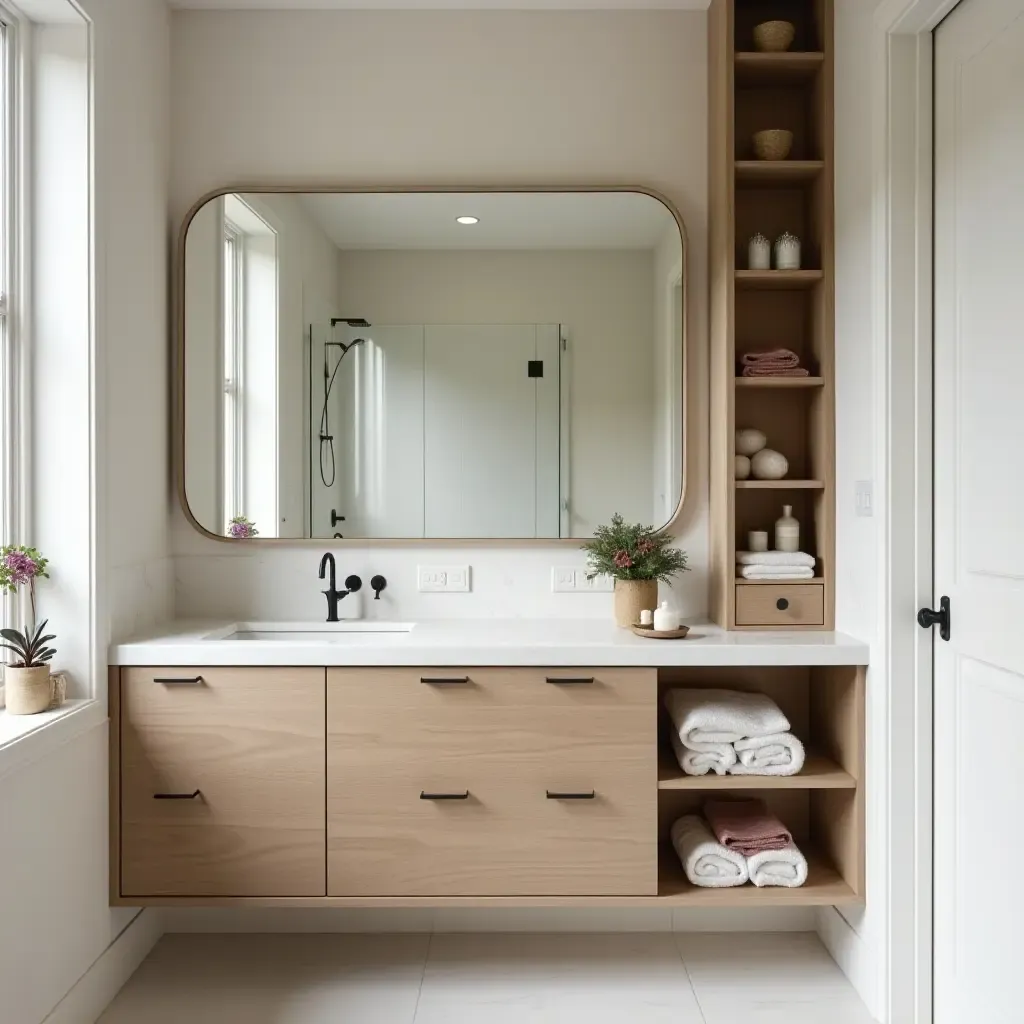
{"points": [[472, 98], [603, 299]]}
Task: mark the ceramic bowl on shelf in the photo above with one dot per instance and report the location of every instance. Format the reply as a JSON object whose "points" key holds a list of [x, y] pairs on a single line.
{"points": [[773, 144], [774, 36]]}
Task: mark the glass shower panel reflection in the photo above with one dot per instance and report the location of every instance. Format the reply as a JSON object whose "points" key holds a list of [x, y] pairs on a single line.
{"points": [[435, 431]]}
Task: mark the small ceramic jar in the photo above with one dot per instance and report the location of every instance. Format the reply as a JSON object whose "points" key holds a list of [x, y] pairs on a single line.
{"points": [[787, 252], [759, 253], [757, 540]]}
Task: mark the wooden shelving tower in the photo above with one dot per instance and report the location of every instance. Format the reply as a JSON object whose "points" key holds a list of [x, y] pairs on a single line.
{"points": [[753, 310]]}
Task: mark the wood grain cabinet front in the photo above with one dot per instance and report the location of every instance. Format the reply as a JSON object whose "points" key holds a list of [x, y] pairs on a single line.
{"points": [[222, 782], [780, 605], [506, 782]]}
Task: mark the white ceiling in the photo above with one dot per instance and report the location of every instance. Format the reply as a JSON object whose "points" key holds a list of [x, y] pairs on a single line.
{"points": [[508, 220], [410, 5]]}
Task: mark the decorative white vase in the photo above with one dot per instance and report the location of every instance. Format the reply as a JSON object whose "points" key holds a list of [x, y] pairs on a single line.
{"points": [[759, 253], [787, 252], [749, 441], [27, 690], [787, 531], [769, 465]]}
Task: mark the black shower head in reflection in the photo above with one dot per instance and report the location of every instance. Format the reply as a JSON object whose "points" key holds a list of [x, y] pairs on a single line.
{"points": [[326, 437]]}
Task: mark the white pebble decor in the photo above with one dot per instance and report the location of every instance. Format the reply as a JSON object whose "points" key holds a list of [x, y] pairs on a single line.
{"points": [[749, 441], [742, 467], [769, 465]]}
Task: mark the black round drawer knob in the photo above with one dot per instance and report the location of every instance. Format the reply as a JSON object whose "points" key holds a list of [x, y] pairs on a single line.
{"points": [[782, 604]]}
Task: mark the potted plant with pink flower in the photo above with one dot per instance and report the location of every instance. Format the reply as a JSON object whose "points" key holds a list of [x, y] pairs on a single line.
{"points": [[637, 557], [27, 686], [242, 528]]}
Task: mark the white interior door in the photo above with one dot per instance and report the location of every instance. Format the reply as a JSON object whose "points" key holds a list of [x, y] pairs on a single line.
{"points": [[979, 512]]}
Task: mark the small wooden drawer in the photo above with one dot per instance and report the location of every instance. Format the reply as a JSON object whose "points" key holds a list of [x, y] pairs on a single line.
{"points": [[780, 605], [222, 782]]}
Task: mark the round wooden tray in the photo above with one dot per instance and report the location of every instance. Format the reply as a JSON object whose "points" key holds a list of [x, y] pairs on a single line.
{"points": [[665, 634]]}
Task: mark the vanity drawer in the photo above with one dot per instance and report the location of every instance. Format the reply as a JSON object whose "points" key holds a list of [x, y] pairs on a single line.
{"points": [[250, 741], [496, 747], [780, 605]]}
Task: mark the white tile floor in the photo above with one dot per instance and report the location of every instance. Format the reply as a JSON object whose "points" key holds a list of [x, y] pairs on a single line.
{"points": [[488, 979]]}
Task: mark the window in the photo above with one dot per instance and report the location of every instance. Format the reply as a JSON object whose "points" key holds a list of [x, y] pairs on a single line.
{"points": [[233, 348]]}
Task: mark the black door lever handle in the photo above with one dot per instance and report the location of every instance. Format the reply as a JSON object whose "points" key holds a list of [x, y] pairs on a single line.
{"points": [[928, 617]]}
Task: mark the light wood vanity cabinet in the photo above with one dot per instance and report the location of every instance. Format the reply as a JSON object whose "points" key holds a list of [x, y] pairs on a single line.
{"points": [[491, 782], [222, 782]]}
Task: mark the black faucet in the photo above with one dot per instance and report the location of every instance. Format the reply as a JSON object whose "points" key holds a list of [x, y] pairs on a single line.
{"points": [[333, 595]]}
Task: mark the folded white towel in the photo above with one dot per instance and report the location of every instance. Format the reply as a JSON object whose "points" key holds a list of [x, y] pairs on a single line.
{"points": [[706, 861], [776, 572], [711, 721], [781, 754], [700, 762], [787, 868], [775, 558]]}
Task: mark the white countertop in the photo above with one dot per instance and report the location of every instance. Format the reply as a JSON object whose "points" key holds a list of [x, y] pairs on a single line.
{"points": [[554, 643]]}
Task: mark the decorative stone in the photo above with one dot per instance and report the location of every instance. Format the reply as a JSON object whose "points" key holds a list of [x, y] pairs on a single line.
{"points": [[742, 467], [749, 441], [769, 465]]}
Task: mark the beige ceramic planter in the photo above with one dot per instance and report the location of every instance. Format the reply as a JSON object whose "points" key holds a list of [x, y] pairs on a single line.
{"points": [[27, 690], [631, 598]]}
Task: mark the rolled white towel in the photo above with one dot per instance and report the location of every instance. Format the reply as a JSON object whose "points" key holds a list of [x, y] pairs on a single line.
{"points": [[790, 558], [711, 721], [706, 861], [786, 868], [700, 762], [776, 572], [781, 754]]}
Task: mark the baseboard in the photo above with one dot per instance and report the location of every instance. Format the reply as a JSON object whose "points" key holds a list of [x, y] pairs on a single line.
{"points": [[461, 919], [853, 956], [95, 990]]}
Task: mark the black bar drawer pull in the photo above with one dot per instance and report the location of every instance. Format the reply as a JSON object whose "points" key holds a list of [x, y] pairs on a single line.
{"points": [[570, 796], [569, 681], [444, 680], [183, 681], [177, 796], [445, 796]]}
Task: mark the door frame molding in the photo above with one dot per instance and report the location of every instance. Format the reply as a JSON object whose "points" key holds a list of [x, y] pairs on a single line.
{"points": [[902, 147]]}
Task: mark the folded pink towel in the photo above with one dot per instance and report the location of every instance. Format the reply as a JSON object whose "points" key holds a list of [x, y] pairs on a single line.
{"points": [[746, 826], [779, 362]]}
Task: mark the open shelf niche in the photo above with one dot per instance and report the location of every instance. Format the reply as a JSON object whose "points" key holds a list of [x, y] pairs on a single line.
{"points": [[823, 806], [755, 310]]}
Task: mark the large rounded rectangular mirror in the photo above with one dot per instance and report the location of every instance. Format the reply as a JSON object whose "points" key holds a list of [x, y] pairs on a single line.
{"points": [[432, 364]]}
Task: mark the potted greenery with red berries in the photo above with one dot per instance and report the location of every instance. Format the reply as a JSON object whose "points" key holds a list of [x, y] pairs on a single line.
{"points": [[27, 686], [636, 557]]}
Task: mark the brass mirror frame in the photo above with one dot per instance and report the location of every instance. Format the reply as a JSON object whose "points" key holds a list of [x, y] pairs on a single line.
{"points": [[688, 364]]}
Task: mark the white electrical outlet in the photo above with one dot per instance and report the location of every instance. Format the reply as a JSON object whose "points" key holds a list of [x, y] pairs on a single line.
{"points": [[570, 580], [443, 579]]}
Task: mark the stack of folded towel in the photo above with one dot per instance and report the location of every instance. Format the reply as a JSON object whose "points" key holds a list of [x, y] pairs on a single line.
{"points": [[779, 362], [775, 565], [731, 733], [735, 842]]}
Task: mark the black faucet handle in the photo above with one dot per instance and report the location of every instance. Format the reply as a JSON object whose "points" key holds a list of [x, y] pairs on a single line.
{"points": [[353, 583], [377, 584]]}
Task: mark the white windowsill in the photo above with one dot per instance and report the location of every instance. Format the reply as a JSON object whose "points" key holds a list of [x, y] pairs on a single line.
{"points": [[23, 738]]}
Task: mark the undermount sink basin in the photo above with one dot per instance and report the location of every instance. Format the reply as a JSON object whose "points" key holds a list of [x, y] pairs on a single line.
{"points": [[307, 632]]}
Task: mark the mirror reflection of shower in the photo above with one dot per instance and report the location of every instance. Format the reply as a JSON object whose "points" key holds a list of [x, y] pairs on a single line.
{"points": [[328, 459]]}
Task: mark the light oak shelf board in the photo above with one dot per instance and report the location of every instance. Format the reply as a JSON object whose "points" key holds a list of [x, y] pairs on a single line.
{"points": [[777, 172], [816, 581], [778, 280], [771, 68], [819, 772], [825, 887], [781, 383], [780, 485]]}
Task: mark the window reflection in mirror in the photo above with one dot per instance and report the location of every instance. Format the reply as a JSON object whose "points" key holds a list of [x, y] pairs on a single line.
{"points": [[432, 365]]}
